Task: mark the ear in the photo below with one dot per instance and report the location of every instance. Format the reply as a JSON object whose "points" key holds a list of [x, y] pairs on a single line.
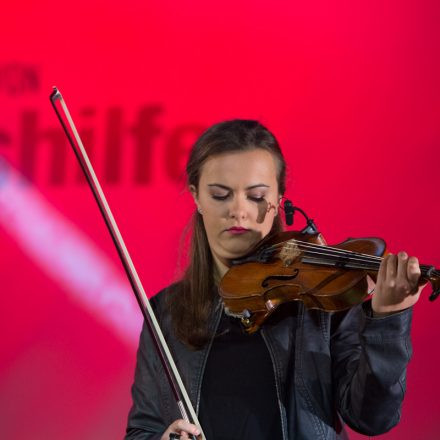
{"points": [[193, 191]]}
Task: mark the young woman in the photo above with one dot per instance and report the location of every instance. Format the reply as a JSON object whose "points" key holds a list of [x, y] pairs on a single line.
{"points": [[306, 372]]}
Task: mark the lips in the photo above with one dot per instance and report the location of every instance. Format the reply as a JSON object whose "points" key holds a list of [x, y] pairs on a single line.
{"points": [[236, 230]]}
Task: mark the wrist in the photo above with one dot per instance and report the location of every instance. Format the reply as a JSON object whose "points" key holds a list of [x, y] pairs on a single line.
{"points": [[383, 314]]}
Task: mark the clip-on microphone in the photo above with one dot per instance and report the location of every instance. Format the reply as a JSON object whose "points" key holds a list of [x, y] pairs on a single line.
{"points": [[289, 211]]}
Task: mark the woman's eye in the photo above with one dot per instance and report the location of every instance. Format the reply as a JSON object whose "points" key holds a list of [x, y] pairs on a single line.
{"points": [[257, 199], [220, 197]]}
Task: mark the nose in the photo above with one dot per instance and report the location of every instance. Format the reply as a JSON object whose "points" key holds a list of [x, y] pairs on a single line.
{"points": [[237, 209]]}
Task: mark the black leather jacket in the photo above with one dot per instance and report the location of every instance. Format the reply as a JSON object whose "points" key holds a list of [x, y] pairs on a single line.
{"points": [[327, 366]]}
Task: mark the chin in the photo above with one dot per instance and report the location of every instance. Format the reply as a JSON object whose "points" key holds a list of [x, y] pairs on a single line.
{"points": [[237, 251], [236, 247]]}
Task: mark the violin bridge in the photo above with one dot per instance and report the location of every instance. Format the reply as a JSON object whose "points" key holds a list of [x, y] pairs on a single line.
{"points": [[289, 252]]}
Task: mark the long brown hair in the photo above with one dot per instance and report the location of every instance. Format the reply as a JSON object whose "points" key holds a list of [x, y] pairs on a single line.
{"points": [[192, 305]]}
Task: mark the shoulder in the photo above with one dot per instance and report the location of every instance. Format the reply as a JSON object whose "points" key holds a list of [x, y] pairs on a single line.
{"points": [[160, 301]]}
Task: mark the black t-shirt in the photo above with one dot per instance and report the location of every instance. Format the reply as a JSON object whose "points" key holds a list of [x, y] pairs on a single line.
{"points": [[238, 397]]}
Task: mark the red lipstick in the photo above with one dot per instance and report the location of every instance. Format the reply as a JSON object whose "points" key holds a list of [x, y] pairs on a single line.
{"points": [[236, 230]]}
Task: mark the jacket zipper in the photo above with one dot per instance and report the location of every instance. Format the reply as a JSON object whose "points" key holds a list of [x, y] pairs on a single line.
{"points": [[277, 384]]}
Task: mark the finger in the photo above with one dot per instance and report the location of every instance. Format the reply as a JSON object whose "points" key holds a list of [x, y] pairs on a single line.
{"points": [[391, 270], [371, 285], [382, 270], [184, 427], [402, 266], [413, 273]]}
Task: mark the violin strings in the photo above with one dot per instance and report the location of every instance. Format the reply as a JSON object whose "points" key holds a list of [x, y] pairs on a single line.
{"points": [[356, 263], [327, 250], [353, 263], [345, 256], [319, 246], [370, 264], [358, 257], [341, 258], [337, 255], [342, 252]]}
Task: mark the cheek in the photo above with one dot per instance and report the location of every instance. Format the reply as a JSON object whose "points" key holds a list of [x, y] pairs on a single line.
{"points": [[262, 212], [213, 219], [267, 212], [268, 222], [212, 211]]}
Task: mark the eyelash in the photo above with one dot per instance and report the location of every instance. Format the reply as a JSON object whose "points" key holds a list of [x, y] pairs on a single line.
{"points": [[254, 199]]}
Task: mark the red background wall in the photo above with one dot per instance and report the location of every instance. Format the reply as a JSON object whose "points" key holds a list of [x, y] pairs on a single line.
{"points": [[350, 89]]}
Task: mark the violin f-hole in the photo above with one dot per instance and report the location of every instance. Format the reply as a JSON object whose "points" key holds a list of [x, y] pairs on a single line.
{"points": [[267, 280]]}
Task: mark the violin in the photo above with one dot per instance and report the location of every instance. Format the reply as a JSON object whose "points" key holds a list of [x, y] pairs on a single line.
{"points": [[295, 266]]}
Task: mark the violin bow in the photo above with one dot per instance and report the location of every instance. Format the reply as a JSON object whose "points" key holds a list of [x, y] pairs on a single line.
{"points": [[180, 394]]}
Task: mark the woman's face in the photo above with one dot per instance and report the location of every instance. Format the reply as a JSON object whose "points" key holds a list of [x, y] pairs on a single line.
{"points": [[238, 199]]}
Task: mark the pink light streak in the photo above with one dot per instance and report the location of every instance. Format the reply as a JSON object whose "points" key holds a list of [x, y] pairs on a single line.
{"points": [[67, 255]]}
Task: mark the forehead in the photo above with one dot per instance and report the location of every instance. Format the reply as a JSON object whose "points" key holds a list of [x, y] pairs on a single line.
{"points": [[247, 167]]}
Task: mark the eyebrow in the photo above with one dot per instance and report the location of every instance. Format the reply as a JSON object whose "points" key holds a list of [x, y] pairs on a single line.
{"points": [[258, 185]]}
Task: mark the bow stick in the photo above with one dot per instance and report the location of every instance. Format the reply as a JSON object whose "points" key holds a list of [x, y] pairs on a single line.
{"points": [[174, 379]]}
